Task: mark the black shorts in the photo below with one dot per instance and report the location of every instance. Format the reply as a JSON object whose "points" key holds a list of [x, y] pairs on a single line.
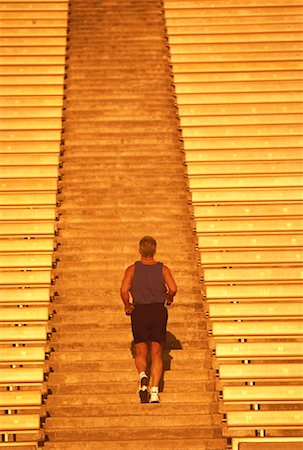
{"points": [[149, 323]]}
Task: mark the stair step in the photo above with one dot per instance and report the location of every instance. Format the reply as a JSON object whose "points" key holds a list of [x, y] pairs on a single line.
{"points": [[116, 336], [132, 433], [78, 345], [115, 308], [109, 410], [121, 181], [124, 367], [61, 384], [76, 294], [109, 325], [120, 357], [120, 399], [119, 318], [157, 444], [111, 371], [117, 421]]}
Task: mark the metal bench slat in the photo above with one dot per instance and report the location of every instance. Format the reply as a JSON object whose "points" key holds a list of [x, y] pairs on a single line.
{"points": [[31, 314], [24, 296], [266, 419], [27, 245], [19, 422], [21, 354], [20, 398], [258, 310], [258, 350], [277, 292], [31, 214], [251, 258], [33, 333], [285, 371], [249, 274], [26, 261], [259, 394], [257, 328], [30, 277]]}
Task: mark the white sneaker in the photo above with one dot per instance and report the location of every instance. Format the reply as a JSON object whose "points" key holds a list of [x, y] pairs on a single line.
{"points": [[154, 397]]}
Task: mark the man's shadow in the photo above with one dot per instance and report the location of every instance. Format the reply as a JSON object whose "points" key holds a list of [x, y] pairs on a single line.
{"points": [[172, 343]]}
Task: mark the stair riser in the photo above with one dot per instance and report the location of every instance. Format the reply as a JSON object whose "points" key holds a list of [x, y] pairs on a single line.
{"points": [[157, 444], [119, 357], [169, 399], [126, 388], [134, 434], [116, 371], [117, 410]]}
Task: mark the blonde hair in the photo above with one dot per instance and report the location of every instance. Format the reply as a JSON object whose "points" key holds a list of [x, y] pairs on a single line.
{"points": [[148, 246]]}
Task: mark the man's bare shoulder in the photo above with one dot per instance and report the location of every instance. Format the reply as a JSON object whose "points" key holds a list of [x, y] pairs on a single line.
{"points": [[130, 269], [165, 269]]}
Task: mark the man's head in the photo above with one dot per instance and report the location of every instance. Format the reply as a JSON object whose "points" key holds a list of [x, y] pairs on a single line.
{"points": [[148, 246]]}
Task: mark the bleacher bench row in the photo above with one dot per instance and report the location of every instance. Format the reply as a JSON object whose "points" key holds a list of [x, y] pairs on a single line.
{"points": [[33, 57], [237, 71]]}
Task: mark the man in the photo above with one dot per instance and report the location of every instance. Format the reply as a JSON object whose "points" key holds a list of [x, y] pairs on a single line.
{"points": [[151, 286]]}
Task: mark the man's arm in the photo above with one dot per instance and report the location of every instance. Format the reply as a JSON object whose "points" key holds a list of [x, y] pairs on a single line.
{"points": [[171, 285], [125, 287]]}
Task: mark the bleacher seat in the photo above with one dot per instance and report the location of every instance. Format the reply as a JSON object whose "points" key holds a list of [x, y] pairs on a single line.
{"points": [[22, 376], [240, 113], [24, 261], [232, 373], [23, 354], [24, 315], [250, 310], [33, 56], [267, 443], [23, 334], [20, 399], [262, 394], [27, 245], [27, 296], [264, 419], [25, 278], [258, 329]]}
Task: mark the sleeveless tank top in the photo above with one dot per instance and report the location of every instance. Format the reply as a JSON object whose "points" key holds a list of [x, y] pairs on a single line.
{"points": [[148, 284]]}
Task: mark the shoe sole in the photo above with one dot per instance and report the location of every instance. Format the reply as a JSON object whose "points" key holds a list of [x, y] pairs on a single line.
{"points": [[144, 396]]}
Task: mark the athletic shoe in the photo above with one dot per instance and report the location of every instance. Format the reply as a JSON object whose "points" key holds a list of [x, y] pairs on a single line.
{"points": [[143, 389], [154, 397]]}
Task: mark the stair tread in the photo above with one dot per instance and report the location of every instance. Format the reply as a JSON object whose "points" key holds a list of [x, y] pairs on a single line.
{"points": [[156, 444]]}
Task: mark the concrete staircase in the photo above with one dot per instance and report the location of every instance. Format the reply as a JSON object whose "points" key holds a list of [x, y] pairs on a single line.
{"points": [[123, 177]]}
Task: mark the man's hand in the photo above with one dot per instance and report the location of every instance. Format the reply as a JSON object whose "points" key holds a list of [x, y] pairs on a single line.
{"points": [[169, 298], [128, 307]]}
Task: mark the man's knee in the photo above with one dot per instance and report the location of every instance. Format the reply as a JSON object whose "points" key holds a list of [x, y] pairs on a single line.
{"points": [[141, 349], [156, 349]]}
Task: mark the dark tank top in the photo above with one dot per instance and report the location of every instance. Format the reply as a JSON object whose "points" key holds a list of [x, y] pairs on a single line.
{"points": [[148, 284]]}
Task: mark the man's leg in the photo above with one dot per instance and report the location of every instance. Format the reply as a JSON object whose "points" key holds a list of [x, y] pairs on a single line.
{"points": [[141, 355], [140, 361], [157, 363], [156, 370]]}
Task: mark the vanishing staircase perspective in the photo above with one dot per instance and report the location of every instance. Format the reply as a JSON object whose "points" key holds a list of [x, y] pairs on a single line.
{"points": [[123, 177], [180, 119]]}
